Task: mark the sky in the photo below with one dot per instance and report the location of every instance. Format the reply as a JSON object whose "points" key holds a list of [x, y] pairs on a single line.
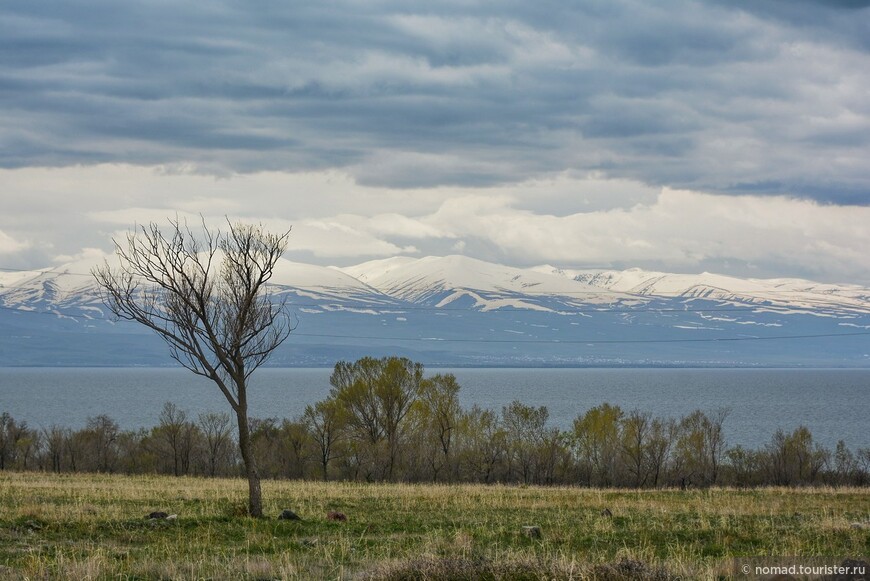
{"points": [[728, 136]]}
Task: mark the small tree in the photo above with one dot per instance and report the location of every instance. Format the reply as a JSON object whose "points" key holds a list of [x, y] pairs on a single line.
{"points": [[217, 440], [377, 396], [596, 442], [178, 435], [325, 424], [438, 414], [100, 437], [635, 431], [700, 446], [483, 442], [526, 428], [206, 297]]}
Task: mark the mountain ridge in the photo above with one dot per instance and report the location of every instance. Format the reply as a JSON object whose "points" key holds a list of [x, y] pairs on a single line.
{"points": [[457, 310]]}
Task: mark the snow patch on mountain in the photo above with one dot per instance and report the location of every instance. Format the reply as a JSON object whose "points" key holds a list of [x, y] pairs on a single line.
{"points": [[375, 268], [455, 310], [790, 293], [303, 276], [425, 279], [489, 304]]}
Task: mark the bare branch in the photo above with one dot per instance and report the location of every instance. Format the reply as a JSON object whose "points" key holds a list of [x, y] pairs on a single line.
{"points": [[205, 295]]}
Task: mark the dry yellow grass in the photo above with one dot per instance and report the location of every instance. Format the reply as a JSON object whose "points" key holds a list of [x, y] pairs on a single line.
{"points": [[93, 527]]}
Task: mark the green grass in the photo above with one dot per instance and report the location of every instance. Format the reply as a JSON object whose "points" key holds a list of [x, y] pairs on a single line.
{"points": [[93, 526]]}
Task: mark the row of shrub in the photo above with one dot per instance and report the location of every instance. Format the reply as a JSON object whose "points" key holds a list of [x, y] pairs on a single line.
{"points": [[385, 421]]}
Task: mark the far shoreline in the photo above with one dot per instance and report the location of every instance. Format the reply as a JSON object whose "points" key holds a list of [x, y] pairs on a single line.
{"points": [[460, 366]]}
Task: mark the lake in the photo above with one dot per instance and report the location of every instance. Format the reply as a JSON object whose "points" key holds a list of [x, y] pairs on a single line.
{"points": [[828, 401]]}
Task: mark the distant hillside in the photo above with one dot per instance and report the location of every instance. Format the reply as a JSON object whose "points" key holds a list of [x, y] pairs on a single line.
{"points": [[459, 311]]}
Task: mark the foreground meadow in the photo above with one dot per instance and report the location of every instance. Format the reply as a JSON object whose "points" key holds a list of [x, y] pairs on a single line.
{"points": [[94, 526]]}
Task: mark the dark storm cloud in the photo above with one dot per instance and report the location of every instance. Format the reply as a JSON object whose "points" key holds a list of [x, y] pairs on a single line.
{"points": [[762, 96]]}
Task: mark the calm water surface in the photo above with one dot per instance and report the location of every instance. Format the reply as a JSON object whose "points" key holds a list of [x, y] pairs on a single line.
{"points": [[832, 403]]}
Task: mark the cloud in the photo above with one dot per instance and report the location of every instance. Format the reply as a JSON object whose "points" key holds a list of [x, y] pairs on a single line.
{"points": [[396, 225], [760, 97], [87, 260], [332, 239], [572, 220], [680, 230], [9, 245]]}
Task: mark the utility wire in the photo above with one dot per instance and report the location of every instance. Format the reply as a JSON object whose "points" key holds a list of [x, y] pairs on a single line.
{"points": [[402, 309], [388, 309], [584, 341]]}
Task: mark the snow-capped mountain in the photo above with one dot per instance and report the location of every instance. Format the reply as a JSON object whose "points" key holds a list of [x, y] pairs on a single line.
{"points": [[456, 310], [56, 290], [442, 280], [784, 292]]}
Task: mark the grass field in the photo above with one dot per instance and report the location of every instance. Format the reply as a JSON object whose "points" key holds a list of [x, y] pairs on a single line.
{"points": [[93, 526]]}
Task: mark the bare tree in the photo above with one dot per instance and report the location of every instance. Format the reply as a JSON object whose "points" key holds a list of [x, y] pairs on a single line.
{"points": [[100, 438], [206, 297], [324, 421], [216, 430], [178, 434], [54, 441], [636, 430]]}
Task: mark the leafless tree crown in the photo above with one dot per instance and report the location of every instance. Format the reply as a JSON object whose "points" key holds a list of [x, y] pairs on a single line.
{"points": [[205, 295]]}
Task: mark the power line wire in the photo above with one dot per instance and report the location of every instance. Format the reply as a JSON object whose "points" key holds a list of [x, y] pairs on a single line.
{"points": [[402, 309], [644, 309], [583, 341]]}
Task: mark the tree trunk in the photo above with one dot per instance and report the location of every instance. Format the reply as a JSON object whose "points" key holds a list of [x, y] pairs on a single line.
{"points": [[255, 499]]}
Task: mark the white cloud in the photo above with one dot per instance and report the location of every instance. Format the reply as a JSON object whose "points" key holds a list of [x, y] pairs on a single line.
{"points": [[86, 260], [332, 239], [9, 245], [683, 229], [131, 216], [569, 219], [393, 224]]}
